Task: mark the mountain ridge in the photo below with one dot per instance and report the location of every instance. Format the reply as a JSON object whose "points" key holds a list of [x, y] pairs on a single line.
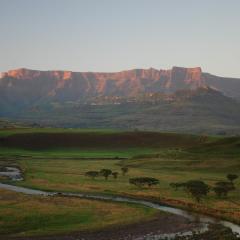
{"points": [[132, 74], [191, 74], [123, 83], [68, 85], [178, 99]]}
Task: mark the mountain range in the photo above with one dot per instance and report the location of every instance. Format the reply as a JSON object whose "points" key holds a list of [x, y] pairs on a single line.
{"points": [[179, 99]]}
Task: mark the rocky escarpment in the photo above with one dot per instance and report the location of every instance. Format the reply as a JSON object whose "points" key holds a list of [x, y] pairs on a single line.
{"points": [[30, 85], [25, 86]]}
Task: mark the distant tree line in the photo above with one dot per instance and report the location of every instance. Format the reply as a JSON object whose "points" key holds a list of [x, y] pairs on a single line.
{"points": [[196, 188], [106, 173], [137, 181]]}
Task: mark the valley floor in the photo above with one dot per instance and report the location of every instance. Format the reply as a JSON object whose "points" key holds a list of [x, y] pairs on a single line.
{"points": [[68, 175], [169, 158]]}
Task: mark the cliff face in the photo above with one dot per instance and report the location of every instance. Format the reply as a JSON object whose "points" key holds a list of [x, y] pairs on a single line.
{"points": [[23, 87], [76, 85]]}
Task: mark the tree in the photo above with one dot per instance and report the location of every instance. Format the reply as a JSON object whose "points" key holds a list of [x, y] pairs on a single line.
{"points": [[141, 181], [124, 170], [223, 188], [198, 189], [136, 181], [106, 173], [232, 177], [151, 181], [92, 174], [115, 175]]}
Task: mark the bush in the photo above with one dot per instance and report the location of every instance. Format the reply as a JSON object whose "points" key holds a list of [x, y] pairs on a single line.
{"points": [[124, 170], [115, 175], [198, 189], [106, 173], [232, 177], [223, 188], [141, 181], [92, 174]]}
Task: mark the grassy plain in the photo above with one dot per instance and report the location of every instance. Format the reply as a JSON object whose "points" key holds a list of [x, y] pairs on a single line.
{"points": [[68, 175], [22, 215], [167, 157]]}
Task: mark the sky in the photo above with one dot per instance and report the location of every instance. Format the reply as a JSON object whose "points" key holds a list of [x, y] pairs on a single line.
{"points": [[115, 35]]}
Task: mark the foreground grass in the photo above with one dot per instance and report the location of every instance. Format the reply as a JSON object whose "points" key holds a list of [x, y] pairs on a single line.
{"points": [[22, 215]]}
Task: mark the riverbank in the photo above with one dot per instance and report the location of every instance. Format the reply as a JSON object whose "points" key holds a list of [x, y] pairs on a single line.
{"points": [[42, 215], [202, 220], [197, 208], [161, 225], [142, 200]]}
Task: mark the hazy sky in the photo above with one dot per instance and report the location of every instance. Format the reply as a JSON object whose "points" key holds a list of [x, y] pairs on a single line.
{"points": [[112, 35]]}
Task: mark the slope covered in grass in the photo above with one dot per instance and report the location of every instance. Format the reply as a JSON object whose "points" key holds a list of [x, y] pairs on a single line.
{"points": [[22, 215], [91, 143]]}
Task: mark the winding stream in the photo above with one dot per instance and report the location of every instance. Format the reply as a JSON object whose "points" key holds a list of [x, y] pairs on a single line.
{"points": [[201, 219]]}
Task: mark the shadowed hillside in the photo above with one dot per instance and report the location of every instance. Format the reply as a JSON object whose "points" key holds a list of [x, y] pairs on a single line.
{"points": [[101, 140]]}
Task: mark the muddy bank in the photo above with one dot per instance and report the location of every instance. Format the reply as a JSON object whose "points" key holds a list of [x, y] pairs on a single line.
{"points": [[201, 219], [162, 224]]}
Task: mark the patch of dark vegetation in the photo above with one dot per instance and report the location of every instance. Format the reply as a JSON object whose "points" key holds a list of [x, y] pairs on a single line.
{"points": [[100, 140], [142, 181]]}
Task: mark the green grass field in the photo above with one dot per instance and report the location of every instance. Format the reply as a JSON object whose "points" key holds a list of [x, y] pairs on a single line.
{"points": [[68, 175], [22, 215], [167, 157]]}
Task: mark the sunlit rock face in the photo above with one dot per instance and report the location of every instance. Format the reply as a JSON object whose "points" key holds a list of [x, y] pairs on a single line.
{"points": [[124, 83], [26, 87]]}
